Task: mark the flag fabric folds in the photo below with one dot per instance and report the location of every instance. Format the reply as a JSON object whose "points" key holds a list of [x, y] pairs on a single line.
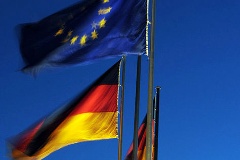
{"points": [[90, 116], [83, 32], [141, 153]]}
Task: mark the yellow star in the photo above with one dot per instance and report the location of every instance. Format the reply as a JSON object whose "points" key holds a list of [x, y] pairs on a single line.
{"points": [[109, 9], [105, 1], [104, 11], [68, 37], [83, 40], [94, 34], [73, 40], [102, 23], [69, 33], [65, 40], [59, 32], [94, 25]]}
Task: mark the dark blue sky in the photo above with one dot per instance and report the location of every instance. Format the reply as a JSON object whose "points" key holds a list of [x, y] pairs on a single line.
{"points": [[197, 56]]}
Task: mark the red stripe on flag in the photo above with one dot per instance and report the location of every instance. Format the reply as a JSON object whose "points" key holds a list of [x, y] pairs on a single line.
{"points": [[27, 137], [99, 99]]}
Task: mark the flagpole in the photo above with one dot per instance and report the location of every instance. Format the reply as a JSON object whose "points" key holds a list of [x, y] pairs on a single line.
{"points": [[157, 110], [150, 88], [136, 115], [121, 109]]}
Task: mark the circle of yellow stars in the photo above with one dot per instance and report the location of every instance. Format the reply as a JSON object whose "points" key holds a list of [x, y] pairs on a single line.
{"points": [[94, 34]]}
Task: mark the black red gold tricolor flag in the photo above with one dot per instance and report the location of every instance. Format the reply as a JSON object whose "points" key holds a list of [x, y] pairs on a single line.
{"points": [[141, 153], [90, 116]]}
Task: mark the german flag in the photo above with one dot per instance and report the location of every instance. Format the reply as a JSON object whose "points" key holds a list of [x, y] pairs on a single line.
{"points": [[141, 153], [90, 116]]}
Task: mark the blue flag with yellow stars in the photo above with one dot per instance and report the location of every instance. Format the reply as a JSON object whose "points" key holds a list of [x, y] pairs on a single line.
{"points": [[84, 32]]}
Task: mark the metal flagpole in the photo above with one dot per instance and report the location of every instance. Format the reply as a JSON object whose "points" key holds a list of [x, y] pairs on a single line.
{"points": [[150, 88], [121, 109], [136, 115], [157, 111]]}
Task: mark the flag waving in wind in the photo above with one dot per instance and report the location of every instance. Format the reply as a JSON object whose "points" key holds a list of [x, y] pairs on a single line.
{"points": [[90, 116], [83, 32], [141, 153]]}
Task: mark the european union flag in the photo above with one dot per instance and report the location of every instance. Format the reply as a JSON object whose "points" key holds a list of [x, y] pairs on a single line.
{"points": [[86, 31]]}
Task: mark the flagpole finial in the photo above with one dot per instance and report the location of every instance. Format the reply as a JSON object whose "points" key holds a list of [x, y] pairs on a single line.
{"points": [[158, 87]]}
